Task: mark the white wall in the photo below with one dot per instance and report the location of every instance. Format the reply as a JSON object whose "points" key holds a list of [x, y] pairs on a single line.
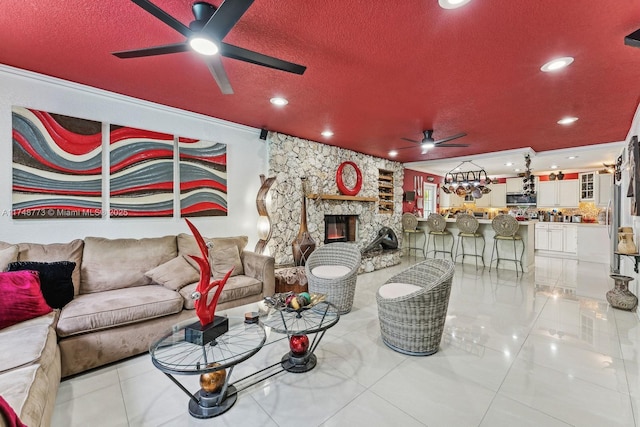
{"points": [[246, 159]]}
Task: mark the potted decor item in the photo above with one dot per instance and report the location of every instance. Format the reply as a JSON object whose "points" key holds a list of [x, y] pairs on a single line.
{"points": [[625, 241], [303, 244]]}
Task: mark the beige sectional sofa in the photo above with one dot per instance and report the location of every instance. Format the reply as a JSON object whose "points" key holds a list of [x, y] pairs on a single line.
{"points": [[127, 293]]}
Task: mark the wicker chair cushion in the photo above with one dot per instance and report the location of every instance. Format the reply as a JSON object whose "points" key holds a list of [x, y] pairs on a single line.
{"points": [[330, 271], [516, 237], [397, 290]]}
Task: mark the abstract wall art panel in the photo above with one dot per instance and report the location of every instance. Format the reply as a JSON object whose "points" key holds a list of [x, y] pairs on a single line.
{"points": [[57, 166], [203, 178], [141, 173]]}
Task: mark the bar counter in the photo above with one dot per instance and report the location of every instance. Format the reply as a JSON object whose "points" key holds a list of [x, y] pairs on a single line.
{"points": [[526, 231]]}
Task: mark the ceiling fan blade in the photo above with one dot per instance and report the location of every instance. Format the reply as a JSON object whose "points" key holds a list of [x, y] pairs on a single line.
{"points": [[164, 17], [452, 145], [219, 74], [410, 140], [252, 57], [460, 135], [227, 15], [153, 51]]}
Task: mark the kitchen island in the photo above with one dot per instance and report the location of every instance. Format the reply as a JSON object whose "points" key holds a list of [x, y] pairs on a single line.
{"points": [[526, 231]]}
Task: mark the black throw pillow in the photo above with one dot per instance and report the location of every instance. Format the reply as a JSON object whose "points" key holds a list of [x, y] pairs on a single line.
{"points": [[55, 279]]}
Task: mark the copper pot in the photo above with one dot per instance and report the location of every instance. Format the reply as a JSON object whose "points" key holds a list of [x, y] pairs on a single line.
{"points": [[460, 191]]}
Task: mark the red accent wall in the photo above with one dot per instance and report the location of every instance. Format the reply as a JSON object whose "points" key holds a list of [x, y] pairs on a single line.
{"points": [[407, 185], [566, 176]]}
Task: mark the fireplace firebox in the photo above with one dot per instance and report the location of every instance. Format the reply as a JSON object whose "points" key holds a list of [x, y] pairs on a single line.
{"points": [[340, 228]]}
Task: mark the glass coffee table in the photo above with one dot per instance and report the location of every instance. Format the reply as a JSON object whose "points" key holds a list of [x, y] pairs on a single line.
{"points": [[173, 355], [297, 324]]}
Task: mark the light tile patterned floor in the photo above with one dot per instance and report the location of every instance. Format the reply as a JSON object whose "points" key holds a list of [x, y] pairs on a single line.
{"points": [[540, 350]]}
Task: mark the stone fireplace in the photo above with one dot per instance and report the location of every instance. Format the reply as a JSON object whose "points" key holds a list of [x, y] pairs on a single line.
{"points": [[291, 158], [340, 228]]}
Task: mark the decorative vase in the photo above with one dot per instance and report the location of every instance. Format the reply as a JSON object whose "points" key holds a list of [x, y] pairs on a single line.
{"points": [[620, 296], [625, 241], [303, 244]]}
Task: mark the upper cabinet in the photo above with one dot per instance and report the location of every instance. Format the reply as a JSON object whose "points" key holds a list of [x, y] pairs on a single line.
{"points": [[561, 193], [587, 186], [450, 200], [605, 187], [495, 199], [514, 185]]}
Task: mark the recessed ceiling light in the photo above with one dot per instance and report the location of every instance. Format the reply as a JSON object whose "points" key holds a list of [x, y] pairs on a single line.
{"points": [[567, 120], [554, 166], [572, 157], [393, 153], [509, 164], [452, 4], [279, 101], [516, 170], [557, 64], [327, 133], [203, 46]]}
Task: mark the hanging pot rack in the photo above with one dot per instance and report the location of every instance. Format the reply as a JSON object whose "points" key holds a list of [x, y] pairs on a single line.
{"points": [[468, 181]]}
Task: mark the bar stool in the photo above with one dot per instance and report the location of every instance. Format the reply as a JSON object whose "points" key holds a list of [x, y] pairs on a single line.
{"points": [[506, 227], [410, 230], [468, 226], [438, 227]]}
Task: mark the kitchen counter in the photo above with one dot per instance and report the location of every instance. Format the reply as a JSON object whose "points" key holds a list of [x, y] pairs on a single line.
{"points": [[506, 248]]}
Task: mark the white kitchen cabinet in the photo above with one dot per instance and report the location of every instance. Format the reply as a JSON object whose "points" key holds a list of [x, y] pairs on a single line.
{"points": [[559, 193], [570, 239], [450, 200], [604, 188], [514, 185], [542, 236], [587, 186], [497, 198], [556, 237]]}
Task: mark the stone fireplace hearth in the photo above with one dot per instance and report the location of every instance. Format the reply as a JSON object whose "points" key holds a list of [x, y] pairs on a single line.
{"points": [[291, 158]]}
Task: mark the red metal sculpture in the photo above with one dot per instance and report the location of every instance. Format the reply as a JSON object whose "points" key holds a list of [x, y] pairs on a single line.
{"points": [[204, 311]]}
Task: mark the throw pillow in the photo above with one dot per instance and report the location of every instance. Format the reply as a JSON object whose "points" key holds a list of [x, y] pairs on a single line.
{"points": [[21, 297], [174, 274], [223, 259], [55, 279], [8, 255]]}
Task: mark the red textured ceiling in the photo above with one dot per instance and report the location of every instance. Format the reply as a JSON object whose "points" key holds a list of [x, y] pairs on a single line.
{"points": [[377, 71]]}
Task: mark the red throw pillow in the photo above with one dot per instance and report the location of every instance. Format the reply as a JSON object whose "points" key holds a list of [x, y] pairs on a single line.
{"points": [[20, 297]]}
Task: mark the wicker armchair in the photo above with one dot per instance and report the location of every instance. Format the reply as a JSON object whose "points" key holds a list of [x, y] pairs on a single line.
{"points": [[332, 270], [412, 307]]}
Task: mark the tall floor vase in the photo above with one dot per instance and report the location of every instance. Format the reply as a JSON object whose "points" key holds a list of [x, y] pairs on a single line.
{"points": [[303, 244], [620, 296]]}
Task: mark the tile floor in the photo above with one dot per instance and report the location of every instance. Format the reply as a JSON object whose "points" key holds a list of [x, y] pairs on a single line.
{"points": [[540, 350]]}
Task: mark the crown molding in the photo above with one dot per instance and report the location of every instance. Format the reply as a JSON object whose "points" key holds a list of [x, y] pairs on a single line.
{"points": [[55, 81]]}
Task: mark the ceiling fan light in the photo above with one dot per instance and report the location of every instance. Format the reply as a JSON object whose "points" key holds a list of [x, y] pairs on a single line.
{"points": [[428, 145], [452, 4], [557, 64], [203, 46]]}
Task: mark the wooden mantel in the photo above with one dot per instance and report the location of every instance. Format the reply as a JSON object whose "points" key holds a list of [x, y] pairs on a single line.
{"points": [[341, 197]]}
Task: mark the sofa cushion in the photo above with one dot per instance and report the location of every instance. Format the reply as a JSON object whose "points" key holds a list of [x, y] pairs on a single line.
{"points": [[71, 251], [7, 256], [223, 259], [108, 309], [21, 297], [26, 390], [110, 264], [16, 351], [174, 274], [236, 287], [55, 279]]}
